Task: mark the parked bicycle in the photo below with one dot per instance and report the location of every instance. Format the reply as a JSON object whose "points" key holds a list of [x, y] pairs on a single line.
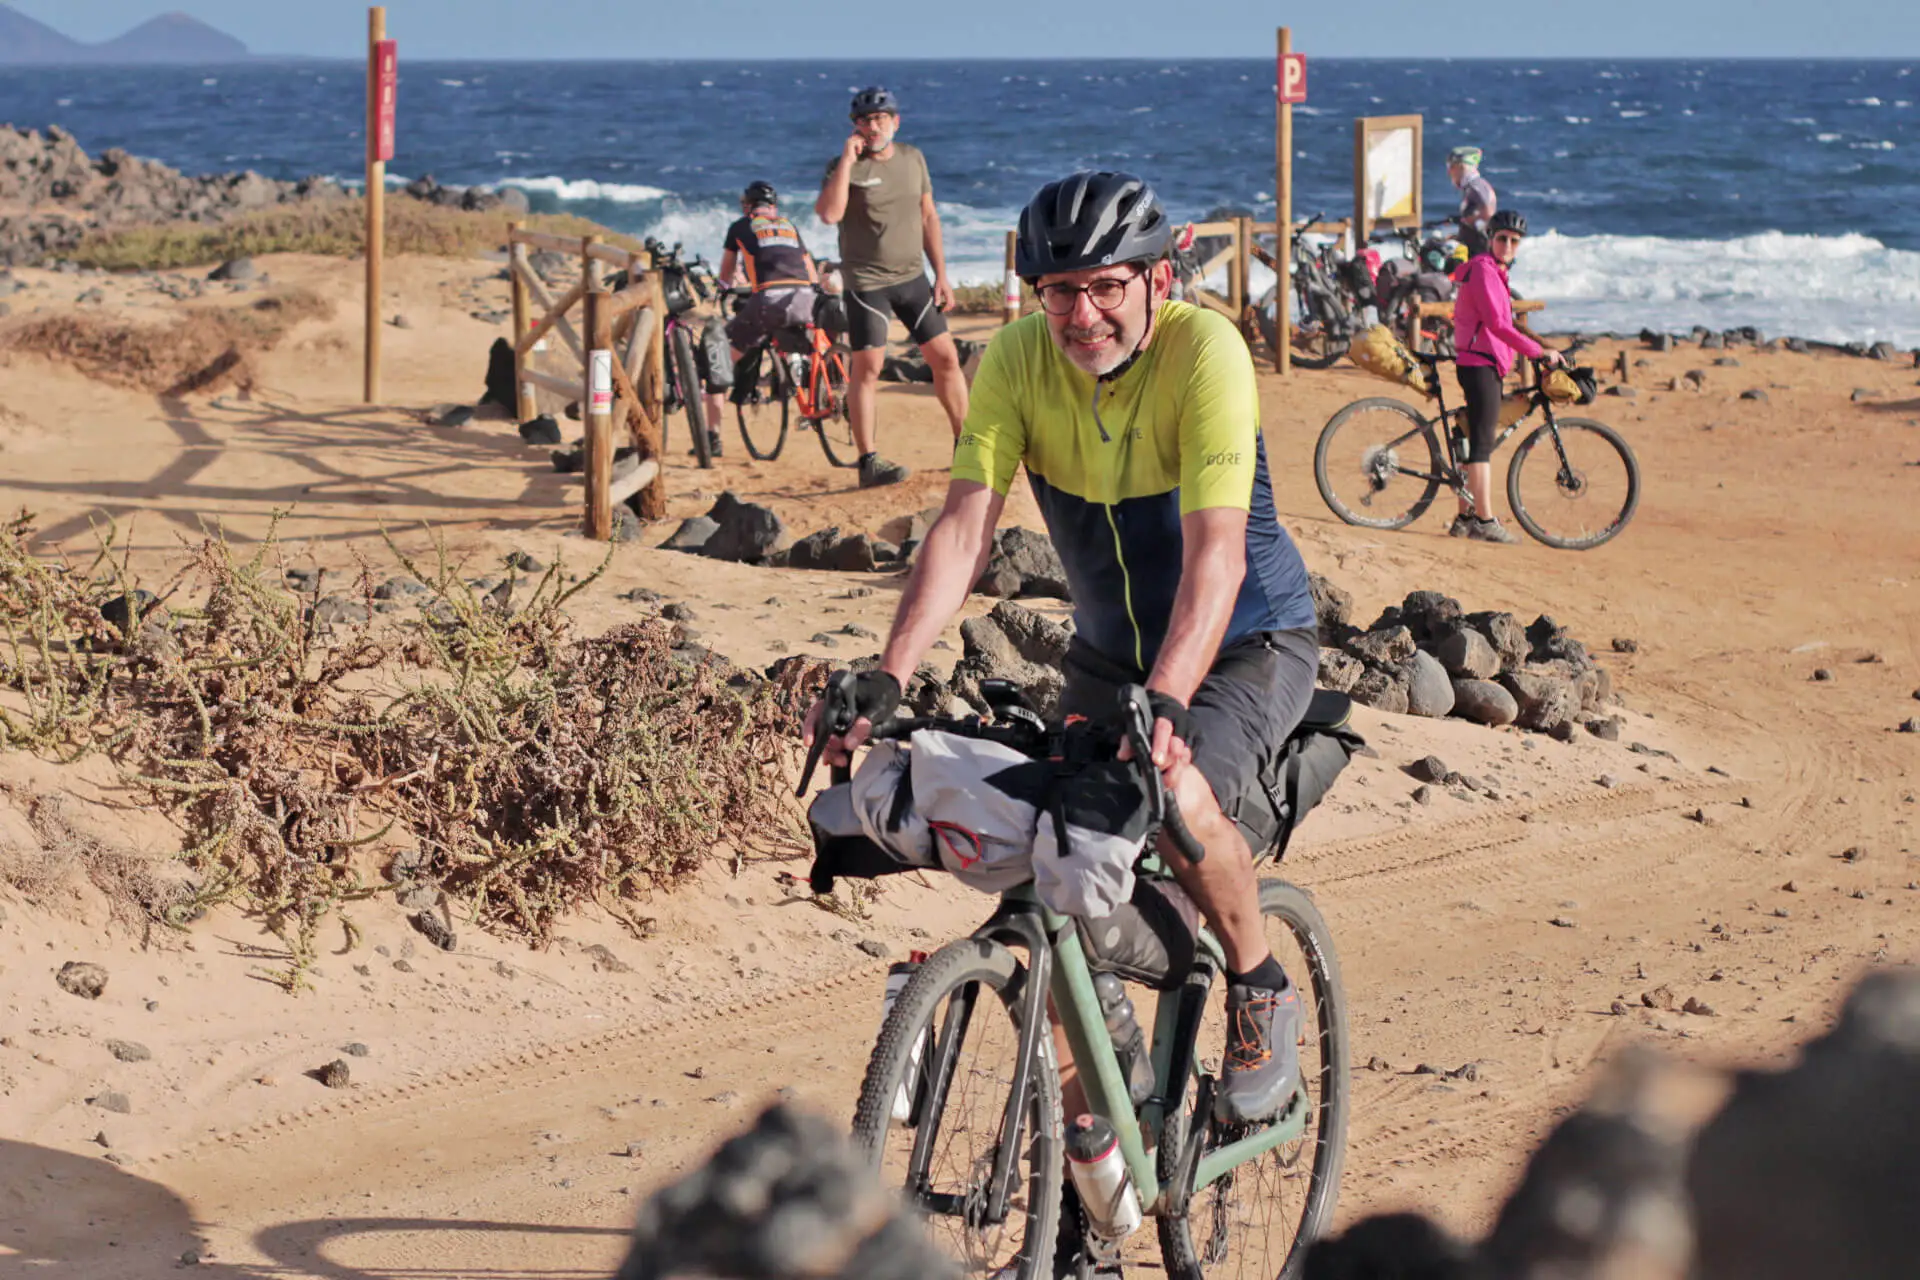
{"points": [[961, 1104], [1380, 462], [1326, 312], [803, 370], [684, 286]]}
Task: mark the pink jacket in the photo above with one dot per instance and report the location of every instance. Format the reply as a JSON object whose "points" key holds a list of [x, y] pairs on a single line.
{"points": [[1483, 332]]}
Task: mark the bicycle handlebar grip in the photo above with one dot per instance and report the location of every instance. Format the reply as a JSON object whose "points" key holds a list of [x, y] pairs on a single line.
{"points": [[1161, 805], [836, 717]]}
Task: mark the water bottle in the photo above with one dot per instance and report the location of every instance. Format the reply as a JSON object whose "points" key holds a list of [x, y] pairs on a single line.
{"points": [[1129, 1041], [897, 975], [1099, 1174]]}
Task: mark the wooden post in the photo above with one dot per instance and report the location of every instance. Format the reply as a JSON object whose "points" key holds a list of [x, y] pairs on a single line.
{"points": [[588, 272], [1010, 298], [524, 404], [1237, 272], [1283, 216], [1622, 368], [598, 403], [653, 499], [376, 201]]}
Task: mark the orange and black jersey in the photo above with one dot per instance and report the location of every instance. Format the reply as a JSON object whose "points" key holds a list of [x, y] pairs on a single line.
{"points": [[770, 249]]}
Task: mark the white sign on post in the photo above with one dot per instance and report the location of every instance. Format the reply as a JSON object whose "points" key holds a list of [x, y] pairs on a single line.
{"points": [[600, 382], [1386, 178]]}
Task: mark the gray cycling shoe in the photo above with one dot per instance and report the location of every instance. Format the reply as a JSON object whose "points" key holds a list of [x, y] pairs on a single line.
{"points": [[876, 471], [1490, 530], [1262, 1067], [1461, 526]]}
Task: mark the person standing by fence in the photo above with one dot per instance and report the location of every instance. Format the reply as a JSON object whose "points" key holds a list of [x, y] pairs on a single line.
{"points": [[877, 191]]}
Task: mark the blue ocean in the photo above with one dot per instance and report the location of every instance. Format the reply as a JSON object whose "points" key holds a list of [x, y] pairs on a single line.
{"points": [[1662, 193]]}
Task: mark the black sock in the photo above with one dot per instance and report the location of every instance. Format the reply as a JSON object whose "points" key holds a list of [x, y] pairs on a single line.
{"points": [[1267, 975], [866, 459]]}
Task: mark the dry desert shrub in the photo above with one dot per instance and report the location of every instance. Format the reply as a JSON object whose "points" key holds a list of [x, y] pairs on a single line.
{"points": [[203, 349], [521, 767]]}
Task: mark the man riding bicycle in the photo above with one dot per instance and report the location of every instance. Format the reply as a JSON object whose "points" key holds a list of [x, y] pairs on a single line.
{"points": [[764, 248], [1137, 420], [1477, 199]]}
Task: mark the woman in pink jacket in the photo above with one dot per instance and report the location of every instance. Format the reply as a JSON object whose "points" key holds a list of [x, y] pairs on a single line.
{"points": [[1485, 340]]}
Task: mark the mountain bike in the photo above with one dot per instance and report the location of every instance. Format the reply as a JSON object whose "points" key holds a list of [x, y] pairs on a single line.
{"points": [[961, 1104], [1326, 314], [1380, 462], [802, 369], [684, 286]]}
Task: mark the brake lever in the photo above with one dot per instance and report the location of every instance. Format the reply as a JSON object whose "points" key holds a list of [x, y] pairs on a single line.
{"points": [[1163, 809], [836, 717]]}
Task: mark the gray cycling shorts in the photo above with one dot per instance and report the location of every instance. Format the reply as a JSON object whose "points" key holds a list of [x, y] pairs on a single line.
{"points": [[1240, 717]]}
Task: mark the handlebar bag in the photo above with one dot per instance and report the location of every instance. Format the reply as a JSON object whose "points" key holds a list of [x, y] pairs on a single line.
{"points": [[1096, 827], [940, 800], [830, 313]]}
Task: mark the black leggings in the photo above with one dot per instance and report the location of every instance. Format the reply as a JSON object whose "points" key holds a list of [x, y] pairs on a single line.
{"points": [[1480, 384]]}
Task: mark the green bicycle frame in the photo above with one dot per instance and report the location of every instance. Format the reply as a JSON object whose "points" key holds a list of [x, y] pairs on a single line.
{"points": [[1078, 1007]]}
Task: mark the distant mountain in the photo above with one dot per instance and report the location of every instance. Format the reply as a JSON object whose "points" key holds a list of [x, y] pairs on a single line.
{"points": [[171, 37], [24, 39]]}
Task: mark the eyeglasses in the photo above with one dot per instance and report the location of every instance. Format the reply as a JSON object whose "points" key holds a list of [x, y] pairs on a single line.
{"points": [[1506, 237], [1105, 293]]}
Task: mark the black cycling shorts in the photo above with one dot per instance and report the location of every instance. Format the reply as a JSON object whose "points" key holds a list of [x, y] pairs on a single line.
{"points": [[1480, 384], [911, 301], [1240, 717]]}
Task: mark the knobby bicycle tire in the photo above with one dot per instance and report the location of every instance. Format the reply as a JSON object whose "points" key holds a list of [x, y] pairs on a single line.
{"points": [[1328, 1089], [1572, 427], [1427, 484], [997, 977], [835, 427], [775, 403], [691, 388]]}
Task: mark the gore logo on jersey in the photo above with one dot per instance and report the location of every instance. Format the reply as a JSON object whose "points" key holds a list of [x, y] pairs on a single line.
{"points": [[1223, 459]]}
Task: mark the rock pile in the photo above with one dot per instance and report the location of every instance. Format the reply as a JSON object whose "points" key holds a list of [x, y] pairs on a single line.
{"points": [[1635, 1184], [74, 193], [1427, 656], [69, 193]]}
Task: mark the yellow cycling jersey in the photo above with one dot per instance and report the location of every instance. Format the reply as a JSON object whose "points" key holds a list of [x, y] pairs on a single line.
{"points": [[1115, 465]]}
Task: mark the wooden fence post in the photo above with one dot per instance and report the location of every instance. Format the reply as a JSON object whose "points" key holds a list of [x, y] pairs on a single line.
{"points": [[1283, 218], [376, 204], [653, 393], [1010, 297], [1237, 273], [598, 417], [524, 404]]}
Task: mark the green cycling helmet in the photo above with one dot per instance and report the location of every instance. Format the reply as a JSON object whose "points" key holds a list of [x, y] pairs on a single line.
{"points": [[1469, 156]]}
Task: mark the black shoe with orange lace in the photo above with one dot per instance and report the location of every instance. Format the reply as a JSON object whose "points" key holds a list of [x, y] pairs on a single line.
{"points": [[1263, 1053]]}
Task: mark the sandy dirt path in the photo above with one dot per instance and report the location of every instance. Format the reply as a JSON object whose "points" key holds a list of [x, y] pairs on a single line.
{"points": [[1773, 539]]}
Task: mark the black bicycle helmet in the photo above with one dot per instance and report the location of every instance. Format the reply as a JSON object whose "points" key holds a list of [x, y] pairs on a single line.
{"points": [[872, 100], [1507, 220], [1090, 220], [760, 192]]}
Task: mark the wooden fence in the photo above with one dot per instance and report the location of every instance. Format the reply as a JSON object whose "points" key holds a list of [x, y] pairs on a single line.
{"points": [[616, 367]]}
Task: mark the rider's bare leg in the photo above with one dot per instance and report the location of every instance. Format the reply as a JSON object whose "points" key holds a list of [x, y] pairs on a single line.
{"points": [[716, 403], [1223, 885], [1480, 486], [863, 388], [949, 382]]}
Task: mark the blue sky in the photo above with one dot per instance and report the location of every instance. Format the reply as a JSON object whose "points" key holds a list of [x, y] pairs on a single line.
{"points": [[1024, 28]]}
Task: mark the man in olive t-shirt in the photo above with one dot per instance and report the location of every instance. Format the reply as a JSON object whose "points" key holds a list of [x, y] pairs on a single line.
{"points": [[878, 192]]}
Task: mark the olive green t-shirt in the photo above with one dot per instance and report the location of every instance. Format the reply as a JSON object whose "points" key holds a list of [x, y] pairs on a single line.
{"points": [[880, 237]]}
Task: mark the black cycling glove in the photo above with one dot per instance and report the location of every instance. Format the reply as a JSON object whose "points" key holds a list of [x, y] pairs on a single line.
{"points": [[1169, 708], [876, 696]]}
